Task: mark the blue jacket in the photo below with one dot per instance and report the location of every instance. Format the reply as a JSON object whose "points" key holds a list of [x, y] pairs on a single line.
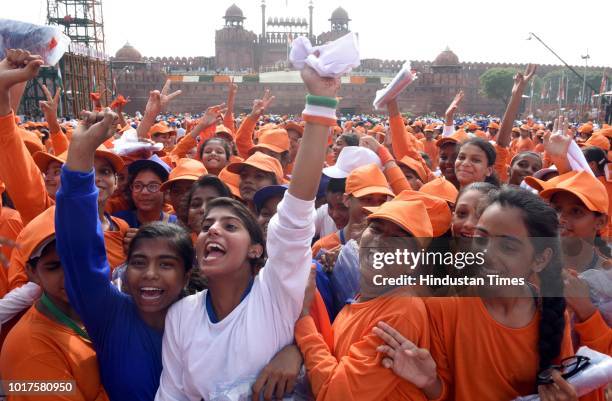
{"points": [[129, 351]]}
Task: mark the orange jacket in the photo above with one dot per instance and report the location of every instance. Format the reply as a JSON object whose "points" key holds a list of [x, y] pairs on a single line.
{"points": [[353, 369], [23, 179], [38, 348], [59, 141]]}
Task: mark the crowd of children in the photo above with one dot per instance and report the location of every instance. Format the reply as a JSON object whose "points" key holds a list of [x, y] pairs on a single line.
{"points": [[170, 257]]}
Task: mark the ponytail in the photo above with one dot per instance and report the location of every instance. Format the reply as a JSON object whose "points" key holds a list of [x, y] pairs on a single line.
{"points": [[543, 227]]}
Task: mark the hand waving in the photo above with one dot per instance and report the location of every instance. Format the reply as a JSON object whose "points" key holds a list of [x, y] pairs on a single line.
{"points": [[452, 108], [260, 105], [557, 142]]}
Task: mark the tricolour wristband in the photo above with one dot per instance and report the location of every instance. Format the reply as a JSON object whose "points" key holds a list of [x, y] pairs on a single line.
{"points": [[320, 110]]}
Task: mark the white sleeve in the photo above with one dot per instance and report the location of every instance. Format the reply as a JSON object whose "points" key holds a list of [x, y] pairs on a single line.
{"points": [[171, 380], [321, 214], [448, 130], [290, 233], [18, 300]]}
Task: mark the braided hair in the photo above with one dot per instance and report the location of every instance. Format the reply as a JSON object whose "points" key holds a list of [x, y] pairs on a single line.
{"points": [[542, 224]]}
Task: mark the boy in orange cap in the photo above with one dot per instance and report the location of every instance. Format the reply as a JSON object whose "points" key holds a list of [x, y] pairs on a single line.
{"points": [[49, 342], [295, 132], [180, 180], [352, 368], [164, 134], [492, 129], [414, 172], [275, 143], [256, 172], [365, 186]]}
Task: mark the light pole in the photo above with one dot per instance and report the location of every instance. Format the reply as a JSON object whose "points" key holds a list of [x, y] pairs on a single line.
{"points": [[586, 62], [533, 35]]}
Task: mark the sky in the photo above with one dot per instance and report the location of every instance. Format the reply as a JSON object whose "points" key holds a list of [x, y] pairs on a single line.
{"points": [[476, 30]]}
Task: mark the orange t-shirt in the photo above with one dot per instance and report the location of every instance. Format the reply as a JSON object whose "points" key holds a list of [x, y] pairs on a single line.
{"points": [[478, 358], [353, 369], [330, 241], [432, 151], [38, 348], [524, 145]]}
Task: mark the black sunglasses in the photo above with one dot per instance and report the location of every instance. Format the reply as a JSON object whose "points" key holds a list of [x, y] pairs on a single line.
{"points": [[568, 367]]}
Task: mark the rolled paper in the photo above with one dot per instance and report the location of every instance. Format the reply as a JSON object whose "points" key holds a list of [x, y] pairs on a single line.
{"points": [[49, 42], [330, 60], [401, 80], [129, 143]]}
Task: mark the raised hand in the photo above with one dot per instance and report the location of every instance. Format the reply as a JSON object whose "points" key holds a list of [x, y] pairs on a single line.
{"points": [[319, 86], [210, 117], [49, 106], [158, 101], [369, 142], [93, 129], [557, 142], [408, 361], [452, 108], [521, 79], [260, 105], [18, 66]]}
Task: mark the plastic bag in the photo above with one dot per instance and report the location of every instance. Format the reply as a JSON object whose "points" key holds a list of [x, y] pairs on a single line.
{"points": [[49, 42], [331, 60], [596, 375], [346, 274], [600, 285]]}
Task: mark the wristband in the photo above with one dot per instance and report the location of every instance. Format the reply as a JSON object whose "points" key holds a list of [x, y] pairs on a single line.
{"points": [[320, 110], [384, 155]]}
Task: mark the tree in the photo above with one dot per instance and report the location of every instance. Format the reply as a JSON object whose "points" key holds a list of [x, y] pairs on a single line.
{"points": [[496, 83]]}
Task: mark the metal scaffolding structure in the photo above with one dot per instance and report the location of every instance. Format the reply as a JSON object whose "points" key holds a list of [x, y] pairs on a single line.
{"points": [[84, 68]]}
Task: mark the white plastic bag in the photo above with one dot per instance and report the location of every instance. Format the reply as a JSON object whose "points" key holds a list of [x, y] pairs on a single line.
{"points": [[330, 60], [49, 42], [346, 273]]}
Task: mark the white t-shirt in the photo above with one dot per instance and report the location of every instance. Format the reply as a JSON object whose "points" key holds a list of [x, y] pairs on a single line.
{"points": [[324, 224], [201, 358]]}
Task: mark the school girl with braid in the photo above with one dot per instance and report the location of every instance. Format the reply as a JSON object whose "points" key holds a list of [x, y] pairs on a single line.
{"points": [[493, 347]]}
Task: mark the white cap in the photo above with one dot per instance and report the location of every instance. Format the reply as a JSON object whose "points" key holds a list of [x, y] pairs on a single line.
{"points": [[350, 158]]}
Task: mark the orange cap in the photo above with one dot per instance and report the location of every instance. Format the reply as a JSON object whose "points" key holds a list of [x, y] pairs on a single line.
{"points": [[160, 128], [36, 233], [367, 180], [586, 128], [480, 134], [429, 128], [525, 127], [473, 127], [293, 126], [185, 170], [606, 131], [598, 140], [31, 141], [276, 140], [224, 132], [516, 129], [232, 180], [439, 212], [261, 162], [493, 125], [409, 215], [583, 185], [43, 159], [415, 166], [441, 188], [115, 160], [457, 137]]}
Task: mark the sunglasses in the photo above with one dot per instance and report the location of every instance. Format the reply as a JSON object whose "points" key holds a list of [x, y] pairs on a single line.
{"points": [[568, 367]]}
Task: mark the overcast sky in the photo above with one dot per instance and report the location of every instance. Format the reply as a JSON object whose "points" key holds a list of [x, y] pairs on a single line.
{"points": [[476, 30]]}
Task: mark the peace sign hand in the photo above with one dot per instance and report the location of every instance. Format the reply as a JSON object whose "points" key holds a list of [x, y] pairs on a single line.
{"points": [[408, 361], [49, 106], [158, 101], [521, 79], [260, 105], [557, 143]]}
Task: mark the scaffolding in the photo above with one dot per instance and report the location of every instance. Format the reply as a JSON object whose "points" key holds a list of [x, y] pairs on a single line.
{"points": [[83, 69]]}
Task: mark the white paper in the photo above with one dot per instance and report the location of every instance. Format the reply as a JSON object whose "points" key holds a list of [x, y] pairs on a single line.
{"points": [[334, 58], [403, 78]]}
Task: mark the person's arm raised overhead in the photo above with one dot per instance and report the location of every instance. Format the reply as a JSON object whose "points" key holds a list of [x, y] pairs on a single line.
{"points": [[157, 103], [520, 83], [80, 242]]}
